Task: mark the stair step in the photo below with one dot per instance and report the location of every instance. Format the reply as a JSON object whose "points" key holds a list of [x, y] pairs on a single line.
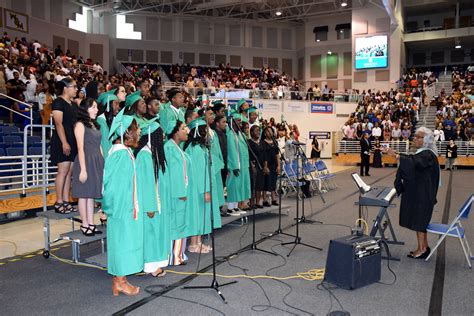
{"points": [[78, 237]]}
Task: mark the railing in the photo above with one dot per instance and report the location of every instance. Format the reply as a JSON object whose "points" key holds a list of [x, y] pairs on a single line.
{"points": [[226, 93], [87, 68], [353, 147], [30, 108], [22, 172]]}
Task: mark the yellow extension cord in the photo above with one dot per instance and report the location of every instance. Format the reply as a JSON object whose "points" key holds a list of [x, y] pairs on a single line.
{"points": [[310, 275]]}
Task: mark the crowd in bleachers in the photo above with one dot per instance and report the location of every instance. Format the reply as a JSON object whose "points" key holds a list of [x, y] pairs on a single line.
{"points": [[196, 78], [454, 118], [384, 116]]}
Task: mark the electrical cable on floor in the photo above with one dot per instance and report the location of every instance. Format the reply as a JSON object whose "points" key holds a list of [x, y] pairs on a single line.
{"points": [[245, 232], [149, 290], [389, 257], [331, 295], [15, 247]]}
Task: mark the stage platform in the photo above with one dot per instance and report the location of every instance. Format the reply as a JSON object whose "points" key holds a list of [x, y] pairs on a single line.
{"points": [[32, 285]]}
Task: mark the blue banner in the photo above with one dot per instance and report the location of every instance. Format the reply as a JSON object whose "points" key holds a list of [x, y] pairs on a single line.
{"points": [[322, 107]]}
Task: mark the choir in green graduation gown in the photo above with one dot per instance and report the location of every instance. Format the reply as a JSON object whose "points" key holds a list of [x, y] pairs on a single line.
{"points": [[217, 166], [238, 187], [125, 219], [157, 242], [105, 99], [169, 115], [202, 184]]}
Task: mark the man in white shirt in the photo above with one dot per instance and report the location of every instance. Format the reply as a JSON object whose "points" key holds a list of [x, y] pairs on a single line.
{"points": [[30, 81], [377, 131]]}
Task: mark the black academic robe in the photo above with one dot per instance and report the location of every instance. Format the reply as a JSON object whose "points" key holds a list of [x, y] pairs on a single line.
{"points": [[417, 181]]}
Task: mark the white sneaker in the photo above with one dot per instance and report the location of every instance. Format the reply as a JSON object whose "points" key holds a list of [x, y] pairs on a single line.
{"points": [[233, 212], [241, 212]]}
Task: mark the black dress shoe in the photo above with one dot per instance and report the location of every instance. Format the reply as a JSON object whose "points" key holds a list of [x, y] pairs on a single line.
{"points": [[275, 203], [258, 206], [423, 255], [266, 204], [367, 175]]}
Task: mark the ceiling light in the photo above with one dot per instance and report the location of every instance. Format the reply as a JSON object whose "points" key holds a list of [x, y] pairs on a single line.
{"points": [[329, 52], [457, 43], [344, 3], [318, 40], [278, 13]]}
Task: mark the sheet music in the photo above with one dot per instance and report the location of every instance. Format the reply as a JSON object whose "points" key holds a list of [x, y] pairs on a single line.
{"points": [[360, 183]]}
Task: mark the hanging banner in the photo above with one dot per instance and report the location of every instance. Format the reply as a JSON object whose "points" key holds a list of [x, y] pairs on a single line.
{"points": [[322, 107], [293, 106], [268, 105], [16, 21], [320, 135]]}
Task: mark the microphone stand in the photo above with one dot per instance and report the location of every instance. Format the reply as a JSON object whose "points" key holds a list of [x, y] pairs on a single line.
{"points": [[279, 231], [297, 240], [253, 245], [214, 284], [302, 154]]}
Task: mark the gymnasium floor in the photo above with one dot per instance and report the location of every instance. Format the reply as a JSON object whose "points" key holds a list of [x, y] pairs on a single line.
{"points": [[34, 285]]}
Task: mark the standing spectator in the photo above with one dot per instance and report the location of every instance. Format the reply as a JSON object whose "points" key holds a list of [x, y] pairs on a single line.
{"points": [[63, 142], [377, 131], [387, 134], [315, 150], [451, 155], [406, 132], [377, 163], [396, 132], [88, 167], [439, 133], [365, 155]]}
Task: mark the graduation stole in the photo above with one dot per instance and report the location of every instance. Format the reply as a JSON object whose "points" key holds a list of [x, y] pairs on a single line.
{"points": [[184, 163], [236, 138], [135, 198]]}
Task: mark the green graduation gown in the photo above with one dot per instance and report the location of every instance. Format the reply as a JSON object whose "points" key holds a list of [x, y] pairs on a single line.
{"points": [[105, 143], [124, 232], [238, 187], [217, 166], [157, 244], [169, 114], [201, 184], [177, 184]]}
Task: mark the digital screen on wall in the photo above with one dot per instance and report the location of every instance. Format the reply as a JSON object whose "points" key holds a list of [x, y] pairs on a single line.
{"points": [[371, 52]]}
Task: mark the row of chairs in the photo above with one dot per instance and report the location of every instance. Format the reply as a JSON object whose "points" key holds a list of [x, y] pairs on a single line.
{"points": [[18, 151], [8, 129], [320, 178], [10, 139]]}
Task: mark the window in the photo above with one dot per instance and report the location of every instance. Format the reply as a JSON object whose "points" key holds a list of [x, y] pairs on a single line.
{"points": [[125, 30], [343, 31], [320, 33]]}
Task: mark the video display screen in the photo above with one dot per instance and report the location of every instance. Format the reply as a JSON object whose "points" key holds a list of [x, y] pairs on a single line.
{"points": [[371, 52]]}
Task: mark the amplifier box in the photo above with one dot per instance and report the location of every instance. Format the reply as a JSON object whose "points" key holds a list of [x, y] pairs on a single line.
{"points": [[353, 262]]}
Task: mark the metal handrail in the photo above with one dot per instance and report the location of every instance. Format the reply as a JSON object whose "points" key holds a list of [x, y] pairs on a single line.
{"points": [[465, 148], [16, 112]]}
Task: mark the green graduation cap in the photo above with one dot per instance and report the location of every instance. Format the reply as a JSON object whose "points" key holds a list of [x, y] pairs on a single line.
{"points": [[120, 124], [132, 98], [241, 102], [170, 125], [251, 109], [196, 123], [102, 99], [217, 102], [149, 126]]}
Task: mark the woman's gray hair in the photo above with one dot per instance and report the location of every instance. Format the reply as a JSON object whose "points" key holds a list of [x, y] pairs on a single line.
{"points": [[428, 139]]}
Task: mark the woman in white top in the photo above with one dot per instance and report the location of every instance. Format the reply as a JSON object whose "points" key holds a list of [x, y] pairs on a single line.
{"points": [[439, 133]]}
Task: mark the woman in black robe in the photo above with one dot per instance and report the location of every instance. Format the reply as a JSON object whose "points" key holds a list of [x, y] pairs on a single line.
{"points": [[417, 182], [258, 166], [377, 163], [273, 157]]}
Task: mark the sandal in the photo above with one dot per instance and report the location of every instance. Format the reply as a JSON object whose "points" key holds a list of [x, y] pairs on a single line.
{"points": [[102, 217], [95, 230], [86, 231], [60, 209], [69, 207], [160, 274], [206, 247], [198, 249]]}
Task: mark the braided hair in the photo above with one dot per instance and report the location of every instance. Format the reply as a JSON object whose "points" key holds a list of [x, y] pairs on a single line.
{"points": [[200, 138], [157, 149]]}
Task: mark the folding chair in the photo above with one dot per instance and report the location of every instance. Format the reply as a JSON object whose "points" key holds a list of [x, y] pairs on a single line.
{"points": [[291, 177], [325, 175], [310, 174], [454, 229]]}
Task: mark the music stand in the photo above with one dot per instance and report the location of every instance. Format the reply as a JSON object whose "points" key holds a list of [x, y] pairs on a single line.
{"points": [[363, 188]]}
